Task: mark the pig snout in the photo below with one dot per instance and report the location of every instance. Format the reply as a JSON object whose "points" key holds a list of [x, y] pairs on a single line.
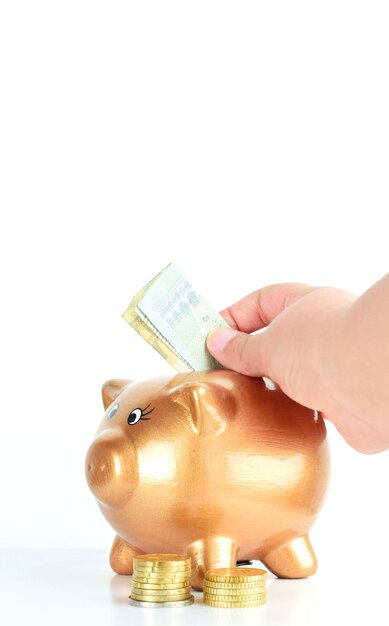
{"points": [[111, 468]]}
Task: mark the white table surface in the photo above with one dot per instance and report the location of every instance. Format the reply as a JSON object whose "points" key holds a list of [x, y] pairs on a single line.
{"points": [[75, 587]]}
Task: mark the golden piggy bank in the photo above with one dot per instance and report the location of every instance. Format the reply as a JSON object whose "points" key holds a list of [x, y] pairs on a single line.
{"points": [[214, 464]]}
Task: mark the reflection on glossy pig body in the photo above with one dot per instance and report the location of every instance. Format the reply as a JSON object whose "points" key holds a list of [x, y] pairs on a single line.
{"points": [[214, 464]]}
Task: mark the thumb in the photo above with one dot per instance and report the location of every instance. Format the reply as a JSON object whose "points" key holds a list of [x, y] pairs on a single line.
{"points": [[238, 351]]}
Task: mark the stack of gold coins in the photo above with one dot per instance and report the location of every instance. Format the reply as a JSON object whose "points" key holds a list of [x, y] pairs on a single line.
{"points": [[161, 580], [235, 587]]}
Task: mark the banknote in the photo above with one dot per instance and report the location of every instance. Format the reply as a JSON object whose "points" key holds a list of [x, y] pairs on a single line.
{"points": [[172, 316]]}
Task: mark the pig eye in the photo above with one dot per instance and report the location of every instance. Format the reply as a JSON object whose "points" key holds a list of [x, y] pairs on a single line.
{"points": [[134, 416], [112, 411], [138, 414]]}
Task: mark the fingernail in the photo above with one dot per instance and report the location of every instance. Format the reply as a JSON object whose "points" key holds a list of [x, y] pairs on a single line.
{"points": [[219, 337]]}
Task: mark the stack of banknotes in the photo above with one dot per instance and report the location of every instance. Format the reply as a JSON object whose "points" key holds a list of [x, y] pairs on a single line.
{"points": [[175, 320]]}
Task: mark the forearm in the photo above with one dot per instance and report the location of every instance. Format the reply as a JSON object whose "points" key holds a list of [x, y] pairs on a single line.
{"points": [[364, 358]]}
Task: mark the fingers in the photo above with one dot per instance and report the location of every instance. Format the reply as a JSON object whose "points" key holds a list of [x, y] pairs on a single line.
{"points": [[259, 308], [238, 351], [249, 354]]}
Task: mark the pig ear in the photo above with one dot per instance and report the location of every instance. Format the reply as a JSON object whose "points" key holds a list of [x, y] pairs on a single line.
{"points": [[211, 406], [111, 390]]}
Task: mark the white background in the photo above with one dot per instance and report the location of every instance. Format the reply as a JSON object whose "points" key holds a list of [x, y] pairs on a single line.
{"points": [[248, 142]]}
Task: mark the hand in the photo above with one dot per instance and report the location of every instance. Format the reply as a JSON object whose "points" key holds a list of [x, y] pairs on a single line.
{"points": [[301, 349]]}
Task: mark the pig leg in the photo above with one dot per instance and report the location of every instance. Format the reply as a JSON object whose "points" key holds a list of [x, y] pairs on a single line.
{"points": [[294, 559], [121, 556], [209, 553]]}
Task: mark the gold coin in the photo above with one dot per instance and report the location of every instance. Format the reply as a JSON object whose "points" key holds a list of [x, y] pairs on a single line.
{"points": [[154, 598], [162, 560], [151, 566], [232, 598], [161, 581], [155, 605], [235, 574], [165, 574], [179, 585], [256, 585], [233, 605], [160, 592], [233, 592], [157, 596], [214, 597], [156, 572], [173, 583], [165, 565]]}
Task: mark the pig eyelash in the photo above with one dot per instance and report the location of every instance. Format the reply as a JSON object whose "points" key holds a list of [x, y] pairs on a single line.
{"points": [[145, 409]]}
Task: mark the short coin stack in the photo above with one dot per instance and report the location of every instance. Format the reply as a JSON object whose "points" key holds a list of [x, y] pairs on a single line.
{"points": [[161, 580], [235, 587]]}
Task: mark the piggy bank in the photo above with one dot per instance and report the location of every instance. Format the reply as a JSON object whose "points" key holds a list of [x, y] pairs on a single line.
{"points": [[214, 464]]}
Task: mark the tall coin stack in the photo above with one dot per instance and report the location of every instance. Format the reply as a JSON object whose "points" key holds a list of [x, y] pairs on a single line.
{"points": [[161, 580], [235, 587]]}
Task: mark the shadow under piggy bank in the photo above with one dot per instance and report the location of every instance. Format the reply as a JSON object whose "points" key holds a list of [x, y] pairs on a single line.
{"points": [[213, 464]]}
